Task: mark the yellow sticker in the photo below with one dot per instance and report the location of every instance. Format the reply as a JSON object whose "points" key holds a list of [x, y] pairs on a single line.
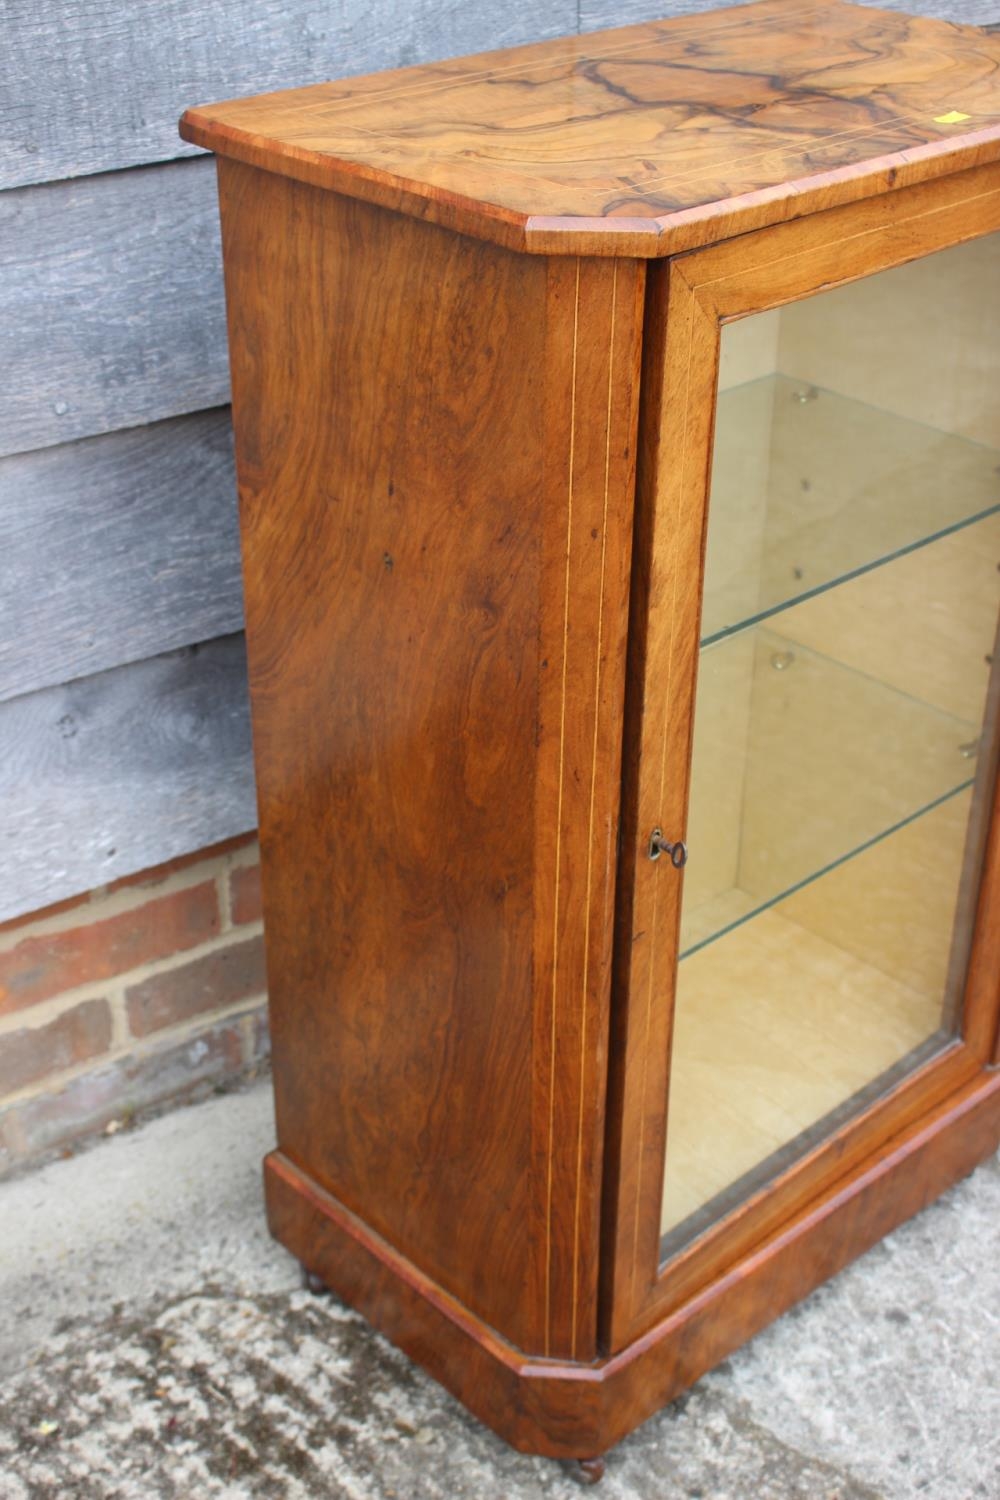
{"points": [[951, 118]]}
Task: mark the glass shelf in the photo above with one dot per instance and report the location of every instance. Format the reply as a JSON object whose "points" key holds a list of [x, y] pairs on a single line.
{"points": [[790, 720], [811, 488]]}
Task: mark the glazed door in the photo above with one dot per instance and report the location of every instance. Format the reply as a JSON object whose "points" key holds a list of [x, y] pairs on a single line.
{"points": [[809, 941]]}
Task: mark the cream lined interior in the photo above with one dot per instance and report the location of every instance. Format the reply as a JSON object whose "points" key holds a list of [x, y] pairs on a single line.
{"points": [[851, 602]]}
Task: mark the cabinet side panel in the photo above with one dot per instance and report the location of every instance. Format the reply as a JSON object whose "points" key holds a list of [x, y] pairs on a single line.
{"points": [[389, 415]]}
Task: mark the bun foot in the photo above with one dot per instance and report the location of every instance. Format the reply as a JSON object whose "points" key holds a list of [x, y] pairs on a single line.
{"points": [[587, 1470], [311, 1282]]}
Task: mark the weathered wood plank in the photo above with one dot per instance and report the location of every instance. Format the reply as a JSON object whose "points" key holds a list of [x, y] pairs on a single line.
{"points": [[597, 13], [117, 772], [111, 305], [98, 86], [117, 548], [967, 12]]}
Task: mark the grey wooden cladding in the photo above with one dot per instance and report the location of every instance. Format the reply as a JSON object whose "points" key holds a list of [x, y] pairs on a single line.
{"points": [[97, 86], [597, 13], [117, 548], [966, 12], [117, 538], [121, 771], [111, 304]]}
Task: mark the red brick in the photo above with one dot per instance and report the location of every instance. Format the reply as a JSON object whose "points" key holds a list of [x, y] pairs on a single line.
{"points": [[260, 1045], [208, 983], [244, 894], [39, 967], [35, 1052], [156, 1074]]}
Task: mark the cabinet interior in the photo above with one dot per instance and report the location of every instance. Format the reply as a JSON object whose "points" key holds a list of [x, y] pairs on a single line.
{"points": [[848, 627]]}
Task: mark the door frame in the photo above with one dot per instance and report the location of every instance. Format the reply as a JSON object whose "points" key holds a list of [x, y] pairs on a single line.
{"points": [[689, 297]]}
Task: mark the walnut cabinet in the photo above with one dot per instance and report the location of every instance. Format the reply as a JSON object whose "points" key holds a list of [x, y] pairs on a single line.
{"points": [[618, 445]]}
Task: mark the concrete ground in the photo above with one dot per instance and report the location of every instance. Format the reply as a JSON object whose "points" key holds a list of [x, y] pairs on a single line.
{"points": [[154, 1342]]}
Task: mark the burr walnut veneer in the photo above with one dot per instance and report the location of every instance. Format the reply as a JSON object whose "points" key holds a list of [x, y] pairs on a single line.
{"points": [[618, 442]]}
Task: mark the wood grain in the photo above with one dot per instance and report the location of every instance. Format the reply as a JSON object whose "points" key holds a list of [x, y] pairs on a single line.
{"points": [[87, 89], [650, 139], [567, 1410], [96, 87], [591, 392], [115, 549], [111, 306], [120, 771], [436, 735]]}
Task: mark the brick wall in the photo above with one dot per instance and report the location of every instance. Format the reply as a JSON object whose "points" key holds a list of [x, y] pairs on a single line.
{"points": [[147, 991]]}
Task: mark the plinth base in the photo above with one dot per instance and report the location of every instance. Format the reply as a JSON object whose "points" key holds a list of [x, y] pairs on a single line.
{"points": [[564, 1410]]}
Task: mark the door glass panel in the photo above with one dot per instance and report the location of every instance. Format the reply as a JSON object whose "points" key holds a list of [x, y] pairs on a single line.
{"points": [[849, 624]]}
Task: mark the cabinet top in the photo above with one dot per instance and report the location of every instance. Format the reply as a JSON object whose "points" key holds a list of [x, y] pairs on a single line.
{"points": [[645, 140]]}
